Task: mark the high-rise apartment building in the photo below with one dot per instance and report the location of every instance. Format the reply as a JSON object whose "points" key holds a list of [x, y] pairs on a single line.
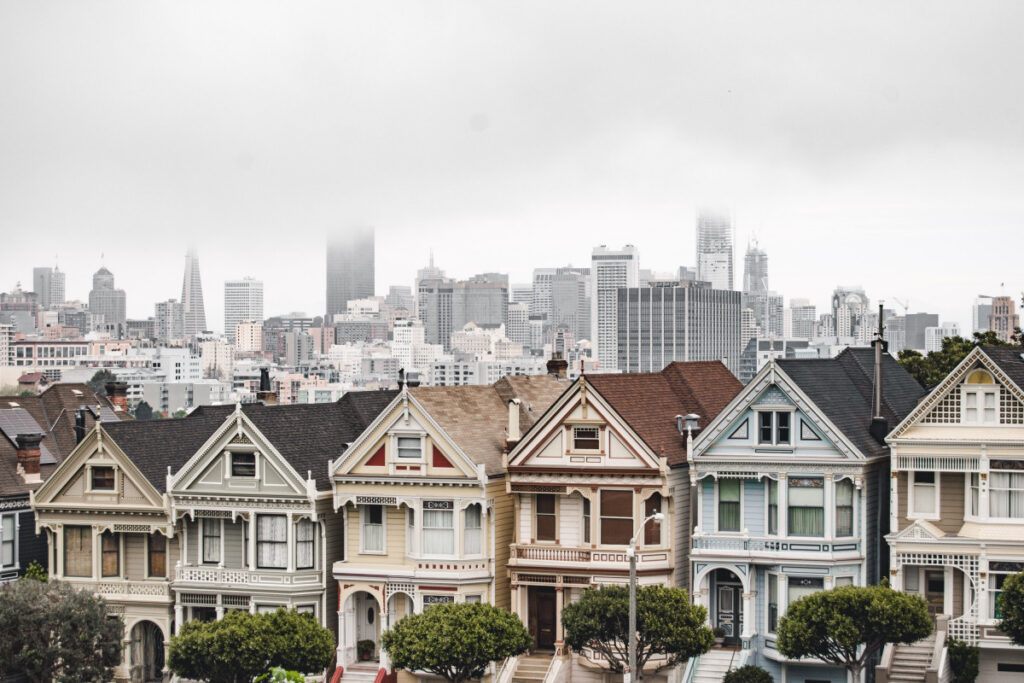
{"points": [[570, 302], [249, 336], [350, 269], [192, 310], [714, 249], [434, 305], [1003, 320], [690, 321], [520, 293], [850, 309], [610, 270], [428, 272], [933, 336], [107, 301], [48, 284], [801, 320], [482, 299], [243, 300], [518, 327], [6, 345], [980, 311], [540, 303], [168, 321]]}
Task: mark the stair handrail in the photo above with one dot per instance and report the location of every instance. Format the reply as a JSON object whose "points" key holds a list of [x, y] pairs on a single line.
{"points": [[938, 647], [885, 666], [504, 671], [553, 667], [691, 669]]}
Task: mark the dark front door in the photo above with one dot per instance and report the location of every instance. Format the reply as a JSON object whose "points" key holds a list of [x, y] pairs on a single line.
{"points": [[542, 622], [729, 613], [935, 590]]}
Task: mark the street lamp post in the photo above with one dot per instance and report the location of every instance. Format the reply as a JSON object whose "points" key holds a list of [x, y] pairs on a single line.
{"points": [[631, 552]]}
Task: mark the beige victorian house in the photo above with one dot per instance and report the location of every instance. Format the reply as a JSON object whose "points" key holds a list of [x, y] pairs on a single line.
{"points": [[427, 515], [957, 504]]}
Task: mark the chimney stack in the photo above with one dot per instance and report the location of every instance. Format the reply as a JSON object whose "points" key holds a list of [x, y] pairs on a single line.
{"points": [[514, 435], [28, 456], [879, 425], [557, 366], [117, 392], [401, 378], [79, 425], [266, 395]]}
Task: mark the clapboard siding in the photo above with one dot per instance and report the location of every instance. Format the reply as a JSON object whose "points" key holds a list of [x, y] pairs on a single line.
{"points": [[682, 524], [951, 502], [502, 520], [134, 556], [526, 519], [708, 521], [234, 553], [754, 509], [570, 520]]}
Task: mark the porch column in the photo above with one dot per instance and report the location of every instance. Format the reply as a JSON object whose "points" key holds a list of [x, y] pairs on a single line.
{"points": [[947, 591], [559, 633], [894, 501], [830, 496], [97, 553], [179, 616], [514, 600], [700, 505], [252, 541], [748, 614], [983, 488], [184, 541], [59, 560], [291, 542], [783, 505]]}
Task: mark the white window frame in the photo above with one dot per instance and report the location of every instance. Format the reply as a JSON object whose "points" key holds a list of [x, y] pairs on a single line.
{"points": [[313, 542], [202, 542], [572, 439], [835, 508], [911, 484], [979, 391], [774, 411], [287, 531], [779, 601], [396, 439], [454, 530], [768, 482], [119, 537], [557, 517], [466, 530], [229, 474], [991, 488], [473, 598], [364, 513], [88, 479], [739, 531], [12, 541]]}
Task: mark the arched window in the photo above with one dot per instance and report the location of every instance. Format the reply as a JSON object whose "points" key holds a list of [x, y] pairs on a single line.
{"points": [[980, 399]]}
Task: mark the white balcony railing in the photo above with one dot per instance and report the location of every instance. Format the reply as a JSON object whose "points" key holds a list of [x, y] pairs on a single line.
{"points": [[223, 576], [539, 555], [769, 545], [117, 589]]}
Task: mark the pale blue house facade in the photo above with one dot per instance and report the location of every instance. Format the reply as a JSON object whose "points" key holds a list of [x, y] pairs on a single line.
{"points": [[791, 492]]}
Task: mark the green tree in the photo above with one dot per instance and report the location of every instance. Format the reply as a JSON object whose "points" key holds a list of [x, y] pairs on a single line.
{"points": [[850, 625], [666, 624], [455, 640], [54, 632], [748, 674], [178, 414], [963, 660], [242, 646], [98, 383], [143, 411], [1011, 608], [931, 369]]}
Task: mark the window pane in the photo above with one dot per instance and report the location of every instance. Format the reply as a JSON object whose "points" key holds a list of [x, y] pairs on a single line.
{"points": [[844, 508], [799, 587], [473, 531], [586, 520], [77, 551], [111, 566], [616, 531], [211, 540], [652, 531], [157, 555], [103, 478], [243, 464], [773, 507], [773, 602], [764, 427], [782, 427], [924, 498], [438, 532], [305, 544], [545, 504], [272, 541], [409, 447], [617, 504], [586, 438], [729, 490], [728, 516], [616, 517]]}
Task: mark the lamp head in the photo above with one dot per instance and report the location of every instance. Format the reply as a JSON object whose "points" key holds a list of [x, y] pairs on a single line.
{"points": [[691, 422], [659, 516]]}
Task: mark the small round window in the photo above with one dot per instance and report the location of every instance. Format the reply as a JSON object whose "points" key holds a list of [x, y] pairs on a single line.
{"points": [[369, 615]]}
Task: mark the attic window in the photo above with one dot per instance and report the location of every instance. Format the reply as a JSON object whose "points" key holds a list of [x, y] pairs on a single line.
{"points": [[102, 478], [586, 439], [410, 447], [243, 464]]}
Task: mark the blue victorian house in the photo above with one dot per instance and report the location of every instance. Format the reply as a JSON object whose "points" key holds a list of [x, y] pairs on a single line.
{"points": [[792, 483]]}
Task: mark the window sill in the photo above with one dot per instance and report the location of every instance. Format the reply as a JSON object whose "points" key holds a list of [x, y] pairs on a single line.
{"points": [[373, 552], [929, 517]]}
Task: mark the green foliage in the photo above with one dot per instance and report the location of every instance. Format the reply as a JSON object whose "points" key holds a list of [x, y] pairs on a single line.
{"points": [[1011, 608], [180, 413], [279, 675], [36, 571], [98, 383], [748, 674], [241, 646], [366, 648], [53, 632], [931, 369], [143, 411], [850, 625], [963, 660], [666, 623], [455, 640]]}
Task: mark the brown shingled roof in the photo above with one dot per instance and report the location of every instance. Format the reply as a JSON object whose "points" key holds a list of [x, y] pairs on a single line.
{"points": [[650, 401], [476, 417]]}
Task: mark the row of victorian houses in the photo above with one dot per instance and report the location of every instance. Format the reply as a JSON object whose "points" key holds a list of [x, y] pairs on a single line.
{"points": [[818, 473]]}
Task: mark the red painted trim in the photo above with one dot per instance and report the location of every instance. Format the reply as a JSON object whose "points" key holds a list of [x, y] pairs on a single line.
{"points": [[377, 459], [337, 674], [440, 460]]}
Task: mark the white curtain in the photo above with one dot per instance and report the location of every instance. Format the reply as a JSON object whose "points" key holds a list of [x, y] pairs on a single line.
{"points": [[438, 532], [211, 540], [373, 533], [7, 539], [1007, 495], [473, 546], [305, 542], [272, 541]]}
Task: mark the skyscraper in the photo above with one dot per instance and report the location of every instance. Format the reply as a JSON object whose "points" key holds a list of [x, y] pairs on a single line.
{"points": [[193, 312], [714, 249], [350, 269], [610, 270], [1003, 320], [755, 269], [482, 299], [765, 304], [107, 301], [168, 320], [48, 284], [434, 309], [980, 312], [243, 300]]}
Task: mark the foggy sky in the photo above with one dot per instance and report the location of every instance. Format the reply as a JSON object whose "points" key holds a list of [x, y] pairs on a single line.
{"points": [[862, 143]]}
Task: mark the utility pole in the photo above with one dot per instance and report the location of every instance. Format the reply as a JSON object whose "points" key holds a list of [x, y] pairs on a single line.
{"points": [[631, 551]]}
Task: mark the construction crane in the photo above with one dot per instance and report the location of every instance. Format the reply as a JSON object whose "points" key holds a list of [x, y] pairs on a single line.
{"points": [[905, 304]]}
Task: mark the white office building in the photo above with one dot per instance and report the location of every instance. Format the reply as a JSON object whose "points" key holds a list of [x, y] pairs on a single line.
{"points": [[714, 249], [933, 336], [610, 270], [243, 300]]}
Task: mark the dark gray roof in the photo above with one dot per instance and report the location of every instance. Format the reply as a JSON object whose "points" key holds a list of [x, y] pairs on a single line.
{"points": [[842, 387], [1009, 360], [15, 421], [306, 435]]}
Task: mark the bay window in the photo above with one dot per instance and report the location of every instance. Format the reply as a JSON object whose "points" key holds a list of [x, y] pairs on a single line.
{"points": [[438, 527], [157, 555], [844, 508], [652, 530], [800, 586], [372, 535], [998, 572], [616, 517], [1006, 494], [211, 541], [546, 519], [111, 564], [806, 506], [773, 602], [924, 493], [729, 505], [77, 551], [473, 537], [586, 520], [271, 541], [305, 544]]}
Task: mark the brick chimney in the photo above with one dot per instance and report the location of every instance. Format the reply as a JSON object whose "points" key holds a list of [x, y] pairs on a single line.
{"points": [[28, 456], [266, 395], [558, 366], [117, 392]]}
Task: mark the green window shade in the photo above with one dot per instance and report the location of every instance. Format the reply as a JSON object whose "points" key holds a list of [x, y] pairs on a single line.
{"points": [[807, 507], [729, 505], [844, 508]]}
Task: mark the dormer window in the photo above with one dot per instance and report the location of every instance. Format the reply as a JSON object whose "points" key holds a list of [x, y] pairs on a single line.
{"points": [[981, 399], [586, 439], [102, 478], [243, 464], [773, 427]]}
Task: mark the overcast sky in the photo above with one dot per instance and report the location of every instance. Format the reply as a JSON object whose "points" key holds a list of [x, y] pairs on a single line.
{"points": [[879, 144]]}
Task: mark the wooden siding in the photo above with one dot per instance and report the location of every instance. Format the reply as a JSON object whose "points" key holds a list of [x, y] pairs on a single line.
{"points": [[394, 537], [333, 546], [682, 526], [504, 518], [951, 502], [754, 509], [875, 511]]}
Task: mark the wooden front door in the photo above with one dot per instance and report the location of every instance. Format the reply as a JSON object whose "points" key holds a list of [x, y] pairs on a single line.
{"points": [[542, 617], [935, 591], [730, 612]]}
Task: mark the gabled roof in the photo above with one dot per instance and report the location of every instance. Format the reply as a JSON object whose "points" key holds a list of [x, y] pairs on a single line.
{"points": [[476, 417], [1009, 359], [650, 401], [308, 436], [54, 411], [841, 388]]}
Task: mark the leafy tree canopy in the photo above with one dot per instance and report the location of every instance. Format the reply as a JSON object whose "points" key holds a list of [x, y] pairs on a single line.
{"points": [[98, 383], [455, 640], [54, 632], [850, 625], [1011, 607], [143, 411], [963, 660], [931, 369], [242, 646], [748, 674], [666, 623]]}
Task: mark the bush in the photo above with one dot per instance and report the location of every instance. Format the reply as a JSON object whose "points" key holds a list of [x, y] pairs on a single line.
{"points": [[365, 648], [35, 571], [748, 674], [963, 660]]}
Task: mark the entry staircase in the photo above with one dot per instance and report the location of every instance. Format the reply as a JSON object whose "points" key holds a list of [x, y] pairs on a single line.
{"points": [[712, 666], [531, 668], [361, 672], [921, 662]]}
